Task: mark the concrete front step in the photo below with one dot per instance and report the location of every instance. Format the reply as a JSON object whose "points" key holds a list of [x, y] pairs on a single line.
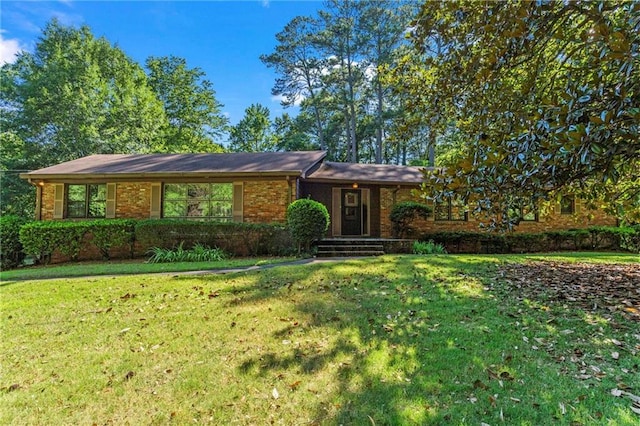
{"points": [[341, 253], [383, 245], [347, 248]]}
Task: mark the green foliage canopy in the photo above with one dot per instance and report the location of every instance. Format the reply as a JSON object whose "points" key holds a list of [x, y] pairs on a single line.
{"points": [[77, 95], [253, 133], [193, 113], [546, 95]]}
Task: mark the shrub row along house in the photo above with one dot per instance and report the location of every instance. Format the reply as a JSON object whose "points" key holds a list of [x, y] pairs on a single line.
{"points": [[257, 188]]}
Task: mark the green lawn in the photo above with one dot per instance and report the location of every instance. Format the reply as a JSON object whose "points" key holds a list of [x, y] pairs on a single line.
{"points": [[127, 267], [392, 340]]}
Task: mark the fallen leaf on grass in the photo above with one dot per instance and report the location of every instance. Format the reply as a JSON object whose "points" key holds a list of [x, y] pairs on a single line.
{"points": [[479, 385], [615, 355], [13, 387], [275, 393], [295, 385], [563, 409], [506, 376], [578, 284], [129, 375]]}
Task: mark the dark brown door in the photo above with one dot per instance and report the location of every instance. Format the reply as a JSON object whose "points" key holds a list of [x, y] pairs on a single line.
{"points": [[351, 212]]}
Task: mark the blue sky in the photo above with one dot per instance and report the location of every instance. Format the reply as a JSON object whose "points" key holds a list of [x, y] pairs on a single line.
{"points": [[223, 38]]}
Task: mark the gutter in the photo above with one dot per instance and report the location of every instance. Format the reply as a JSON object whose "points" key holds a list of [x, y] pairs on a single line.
{"points": [[113, 177]]}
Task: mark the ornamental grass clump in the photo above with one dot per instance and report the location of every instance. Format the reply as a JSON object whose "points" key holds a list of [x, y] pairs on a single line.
{"points": [[308, 221], [199, 253]]}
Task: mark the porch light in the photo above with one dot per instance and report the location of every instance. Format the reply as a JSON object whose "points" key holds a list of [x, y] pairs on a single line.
{"points": [[355, 185], [41, 183]]}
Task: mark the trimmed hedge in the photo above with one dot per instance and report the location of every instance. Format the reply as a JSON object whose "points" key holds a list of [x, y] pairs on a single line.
{"points": [[112, 233], [594, 238], [239, 239], [41, 239], [10, 247]]}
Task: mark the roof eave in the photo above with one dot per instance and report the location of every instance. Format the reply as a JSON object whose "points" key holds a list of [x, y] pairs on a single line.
{"points": [[363, 181], [154, 176]]}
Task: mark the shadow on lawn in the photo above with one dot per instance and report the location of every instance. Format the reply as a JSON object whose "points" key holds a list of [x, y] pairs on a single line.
{"points": [[409, 340]]}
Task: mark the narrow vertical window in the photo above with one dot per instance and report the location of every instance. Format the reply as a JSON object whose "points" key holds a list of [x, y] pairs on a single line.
{"points": [[450, 209], [567, 204]]}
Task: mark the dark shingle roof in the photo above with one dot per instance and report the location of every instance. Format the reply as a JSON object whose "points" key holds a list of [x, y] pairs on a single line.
{"points": [[306, 164], [367, 173], [157, 165]]}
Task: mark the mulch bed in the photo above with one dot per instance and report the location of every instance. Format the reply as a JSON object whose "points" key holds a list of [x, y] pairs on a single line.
{"points": [[604, 288]]}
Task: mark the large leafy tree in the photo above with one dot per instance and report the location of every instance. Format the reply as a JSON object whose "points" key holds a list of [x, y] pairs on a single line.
{"points": [[289, 134], [77, 95], [193, 113], [300, 66], [254, 132], [73, 96], [545, 94], [384, 22], [329, 66]]}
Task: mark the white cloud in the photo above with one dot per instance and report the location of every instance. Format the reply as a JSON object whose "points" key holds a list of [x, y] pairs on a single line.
{"points": [[226, 114], [281, 98], [8, 49], [265, 3]]}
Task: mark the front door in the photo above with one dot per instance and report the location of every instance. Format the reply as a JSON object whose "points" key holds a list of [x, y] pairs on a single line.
{"points": [[351, 214]]}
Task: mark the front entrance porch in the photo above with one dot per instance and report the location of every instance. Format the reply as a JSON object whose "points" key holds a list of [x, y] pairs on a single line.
{"points": [[354, 247]]}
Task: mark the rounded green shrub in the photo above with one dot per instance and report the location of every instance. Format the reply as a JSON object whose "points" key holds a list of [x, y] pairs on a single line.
{"points": [[10, 246], [307, 220], [404, 213]]}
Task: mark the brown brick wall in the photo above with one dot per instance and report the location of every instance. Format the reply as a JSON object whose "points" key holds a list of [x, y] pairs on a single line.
{"points": [[267, 201], [553, 220], [133, 200], [46, 208], [264, 201]]}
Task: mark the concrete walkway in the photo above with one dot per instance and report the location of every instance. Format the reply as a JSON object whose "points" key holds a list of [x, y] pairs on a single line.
{"points": [[310, 261]]}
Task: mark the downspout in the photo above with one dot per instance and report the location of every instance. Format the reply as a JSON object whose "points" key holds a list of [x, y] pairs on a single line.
{"points": [[38, 212], [394, 193], [38, 207], [289, 190]]}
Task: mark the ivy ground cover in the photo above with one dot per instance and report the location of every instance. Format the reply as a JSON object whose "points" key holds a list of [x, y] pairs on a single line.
{"points": [[388, 340]]}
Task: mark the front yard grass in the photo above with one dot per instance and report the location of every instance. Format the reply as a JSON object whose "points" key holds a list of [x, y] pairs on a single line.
{"points": [[392, 340], [128, 267]]}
